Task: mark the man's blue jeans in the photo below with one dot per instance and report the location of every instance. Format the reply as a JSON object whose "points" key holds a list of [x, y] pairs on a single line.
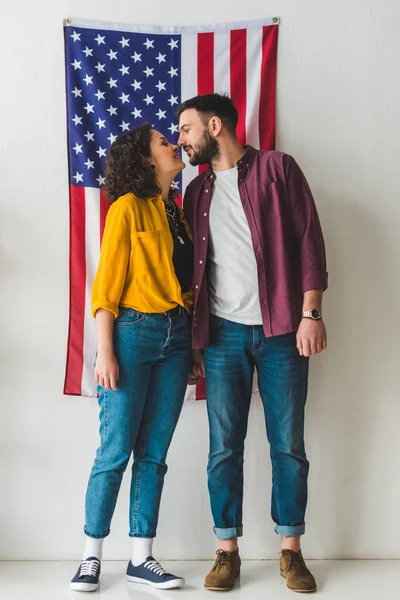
{"points": [[230, 360], [155, 358]]}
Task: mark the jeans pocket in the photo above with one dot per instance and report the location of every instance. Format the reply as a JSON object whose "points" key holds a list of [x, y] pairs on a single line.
{"points": [[215, 321], [128, 317]]}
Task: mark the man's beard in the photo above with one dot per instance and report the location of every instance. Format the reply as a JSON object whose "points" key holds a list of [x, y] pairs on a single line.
{"points": [[207, 150]]}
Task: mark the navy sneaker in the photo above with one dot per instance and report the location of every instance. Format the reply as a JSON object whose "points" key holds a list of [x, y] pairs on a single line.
{"points": [[151, 573], [87, 576]]}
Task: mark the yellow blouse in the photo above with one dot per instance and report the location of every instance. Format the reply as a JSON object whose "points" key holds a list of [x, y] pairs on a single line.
{"points": [[136, 268]]}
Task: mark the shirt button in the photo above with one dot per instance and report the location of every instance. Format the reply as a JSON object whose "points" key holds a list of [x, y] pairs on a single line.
{"points": [[197, 287], [201, 262], [204, 239], [206, 191], [205, 214]]}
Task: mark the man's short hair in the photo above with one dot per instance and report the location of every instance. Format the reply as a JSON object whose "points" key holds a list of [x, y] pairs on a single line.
{"points": [[210, 105]]}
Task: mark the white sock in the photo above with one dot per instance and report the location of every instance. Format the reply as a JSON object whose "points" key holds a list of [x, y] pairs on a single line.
{"points": [[94, 547], [141, 549]]}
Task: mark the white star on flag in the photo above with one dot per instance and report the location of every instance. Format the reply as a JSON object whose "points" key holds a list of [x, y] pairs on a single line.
{"points": [[173, 128], [112, 55], [89, 136], [100, 123], [149, 99], [78, 148], [124, 126], [88, 80], [100, 39], [124, 98], [100, 68], [161, 114], [124, 70], [77, 120], [136, 57], [137, 113], [78, 177], [161, 86], [89, 108], [77, 92], [100, 95], [77, 64], [137, 85], [124, 42], [112, 110], [173, 44], [173, 100], [89, 164], [161, 58], [88, 52], [148, 43], [148, 71], [112, 138], [101, 151], [76, 36]]}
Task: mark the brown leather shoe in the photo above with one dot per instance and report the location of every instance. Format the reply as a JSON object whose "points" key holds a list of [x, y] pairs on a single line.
{"points": [[226, 569], [294, 570]]}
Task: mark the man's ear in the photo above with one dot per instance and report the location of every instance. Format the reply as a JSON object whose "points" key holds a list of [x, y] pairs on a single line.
{"points": [[215, 126]]}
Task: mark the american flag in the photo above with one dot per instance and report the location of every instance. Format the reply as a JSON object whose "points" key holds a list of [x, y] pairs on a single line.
{"points": [[119, 77]]}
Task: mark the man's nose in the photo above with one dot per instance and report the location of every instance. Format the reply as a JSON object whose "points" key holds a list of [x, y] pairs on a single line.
{"points": [[180, 141]]}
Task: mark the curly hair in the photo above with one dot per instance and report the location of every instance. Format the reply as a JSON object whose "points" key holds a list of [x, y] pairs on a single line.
{"points": [[128, 168]]}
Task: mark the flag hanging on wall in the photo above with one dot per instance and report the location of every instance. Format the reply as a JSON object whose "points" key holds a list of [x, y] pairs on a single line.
{"points": [[120, 76]]}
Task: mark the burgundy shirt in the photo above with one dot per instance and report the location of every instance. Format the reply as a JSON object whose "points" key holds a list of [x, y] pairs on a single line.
{"points": [[286, 235]]}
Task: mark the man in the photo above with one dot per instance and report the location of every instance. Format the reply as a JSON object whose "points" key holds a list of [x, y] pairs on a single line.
{"points": [[260, 272]]}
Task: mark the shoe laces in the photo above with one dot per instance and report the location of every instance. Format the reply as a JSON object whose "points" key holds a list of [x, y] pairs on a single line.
{"points": [[223, 558], [89, 568], [155, 567], [295, 557]]}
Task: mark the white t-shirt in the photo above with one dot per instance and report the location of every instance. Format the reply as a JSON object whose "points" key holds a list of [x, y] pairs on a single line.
{"points": [[232, 268]]}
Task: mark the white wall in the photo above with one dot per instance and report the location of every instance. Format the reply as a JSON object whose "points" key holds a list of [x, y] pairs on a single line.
{"points": [[338, 114]]}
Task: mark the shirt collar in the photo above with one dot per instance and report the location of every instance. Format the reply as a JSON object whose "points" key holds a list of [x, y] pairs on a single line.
{"points": [[244, 162]]}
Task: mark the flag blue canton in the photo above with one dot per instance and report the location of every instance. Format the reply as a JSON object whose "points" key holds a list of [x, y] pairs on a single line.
{"points": [[116, 82]]}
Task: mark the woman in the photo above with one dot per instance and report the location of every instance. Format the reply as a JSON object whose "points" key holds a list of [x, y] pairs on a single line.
{"points": [[141, 300]]}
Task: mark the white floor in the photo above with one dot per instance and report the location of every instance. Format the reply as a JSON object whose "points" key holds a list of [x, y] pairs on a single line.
{"points": [[344, 580]]}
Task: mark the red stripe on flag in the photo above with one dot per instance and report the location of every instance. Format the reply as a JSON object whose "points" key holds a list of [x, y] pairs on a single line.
{"points": [[201, 390], [205, 68], [77, 272], [268, 87], [104, 206], [238, 79]]}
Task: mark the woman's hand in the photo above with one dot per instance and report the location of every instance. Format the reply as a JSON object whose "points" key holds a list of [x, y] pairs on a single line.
{"points": [[107, 371]]}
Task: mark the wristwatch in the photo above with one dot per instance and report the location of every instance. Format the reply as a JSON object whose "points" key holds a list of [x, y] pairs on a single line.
{"points": [[313, 314]]}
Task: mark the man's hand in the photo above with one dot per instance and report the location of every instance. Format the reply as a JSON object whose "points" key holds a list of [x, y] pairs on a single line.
{"points": [[197, 366], [311, 337]]}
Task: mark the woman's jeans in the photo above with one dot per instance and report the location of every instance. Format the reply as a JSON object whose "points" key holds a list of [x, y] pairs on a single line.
{"points": [[234, 352], [154, 357]]}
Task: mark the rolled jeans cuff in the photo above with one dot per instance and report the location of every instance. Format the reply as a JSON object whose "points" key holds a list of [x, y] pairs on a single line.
{"points": [[290, 530], [228, 533]]}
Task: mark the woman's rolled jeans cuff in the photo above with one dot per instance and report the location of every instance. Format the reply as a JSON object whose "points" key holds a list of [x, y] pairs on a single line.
{"points": [[96, 536], [228, 533], [290, 530]]}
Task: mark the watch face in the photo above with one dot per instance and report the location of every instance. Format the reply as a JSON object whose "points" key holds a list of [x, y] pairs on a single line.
{"points": [[315, 314]]}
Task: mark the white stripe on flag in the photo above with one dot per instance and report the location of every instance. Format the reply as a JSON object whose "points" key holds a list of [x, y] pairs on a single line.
{"points": [[254, 61], [92, 212], [222, 62]]}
